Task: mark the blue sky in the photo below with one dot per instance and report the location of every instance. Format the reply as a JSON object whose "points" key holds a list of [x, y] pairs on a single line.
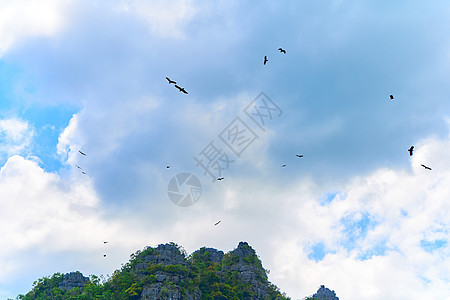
{"points": [[90, 76]]}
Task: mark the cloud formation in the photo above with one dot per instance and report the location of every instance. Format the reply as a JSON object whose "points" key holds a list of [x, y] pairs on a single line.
{"points": [[27, 19]]}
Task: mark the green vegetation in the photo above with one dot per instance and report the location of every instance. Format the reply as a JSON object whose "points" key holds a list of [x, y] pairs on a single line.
{"points": [[197, 275]]}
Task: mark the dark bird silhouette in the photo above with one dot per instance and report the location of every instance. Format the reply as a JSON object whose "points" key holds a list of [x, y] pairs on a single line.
{"points": [[220, 178], [167, 167], [426, 168], [181, 89], [283, 166], [78, 167], [217, 223], [299, 155], [282, 50], [82, 153], [411, 150], [265, 59], [83, 172], [391, 96], [170, 81], [104, 255], [105, 242]]}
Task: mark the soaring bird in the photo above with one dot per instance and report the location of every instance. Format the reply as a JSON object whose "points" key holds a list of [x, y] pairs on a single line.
{"points": [[181, 89], [282, 50], [299, 155], [78, 166], [265, 59], [170, 81], [82, 153], [104, 255], [217, 223], [220, 178], [391, 96], [167, 167], [426, 168], [105, 242], [411, 150], [283, 166], [83, 172]]}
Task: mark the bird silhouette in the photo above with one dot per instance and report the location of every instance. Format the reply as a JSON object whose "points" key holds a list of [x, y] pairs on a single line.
{"points": [[82, 153], [283, 166], [83, 172], [104, 255], [105, 242], [170, 81], [391, 97], [167, 167], [411, 150], [217, 223], [265, 59], [299, 155], [426, 168], [78, 167], [220, 178], [282, 50], [181, 89]]}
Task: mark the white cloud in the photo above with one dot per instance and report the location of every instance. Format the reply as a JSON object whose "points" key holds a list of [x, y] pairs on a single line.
{"points": [[408, 207], [16, 136], [43, 217], [22, 19], [164, 18]]}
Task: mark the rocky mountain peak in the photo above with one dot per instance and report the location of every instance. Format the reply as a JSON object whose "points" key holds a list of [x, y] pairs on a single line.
{"points": [[324, 293], [72, 280]]}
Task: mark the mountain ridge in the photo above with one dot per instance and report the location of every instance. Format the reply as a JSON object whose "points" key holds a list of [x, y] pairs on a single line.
{"points": [[167, 272]]}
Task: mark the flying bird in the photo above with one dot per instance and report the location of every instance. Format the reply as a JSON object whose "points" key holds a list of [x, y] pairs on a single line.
{"points": [[181, 89], [282, 50], [220, 178], [82, 153], [265, 59], [426, 168], [299, 155], [411, 150], [105, 242], [83, 172], [78, 167], [217, 223], [104, 255], [283, 166], [167, 167], [170, 81], [391, 96]]}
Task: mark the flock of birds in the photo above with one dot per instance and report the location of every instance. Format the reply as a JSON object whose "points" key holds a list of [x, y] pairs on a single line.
{"points": [[182, 90]]}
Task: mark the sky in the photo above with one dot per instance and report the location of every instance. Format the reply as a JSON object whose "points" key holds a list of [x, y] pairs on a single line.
{"points": [[356, 213]]}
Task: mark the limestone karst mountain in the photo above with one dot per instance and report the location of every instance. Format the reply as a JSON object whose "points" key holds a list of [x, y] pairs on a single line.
{"points": [[167, 272]]}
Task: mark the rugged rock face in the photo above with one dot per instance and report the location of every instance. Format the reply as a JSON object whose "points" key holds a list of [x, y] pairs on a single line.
{"points": [[324, 293], [168, 269], [245, 261], [72, 280], [210, 254]]}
